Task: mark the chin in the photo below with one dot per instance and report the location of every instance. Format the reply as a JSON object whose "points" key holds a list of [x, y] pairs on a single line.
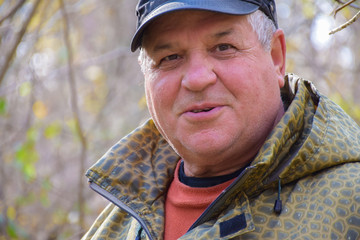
{"points": [[207, 148]]}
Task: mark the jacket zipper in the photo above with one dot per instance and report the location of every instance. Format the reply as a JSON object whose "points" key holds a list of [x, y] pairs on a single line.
{"points": [[121, 205], [207, 213]]}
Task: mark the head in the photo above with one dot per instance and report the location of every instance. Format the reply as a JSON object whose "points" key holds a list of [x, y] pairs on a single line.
{"points": [[212, 83]]}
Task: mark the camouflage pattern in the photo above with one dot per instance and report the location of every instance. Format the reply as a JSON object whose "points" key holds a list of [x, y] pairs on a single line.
{"points": [[314, 152]]}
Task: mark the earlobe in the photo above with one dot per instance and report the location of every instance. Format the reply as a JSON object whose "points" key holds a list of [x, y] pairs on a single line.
{"points": [[278, 54]]}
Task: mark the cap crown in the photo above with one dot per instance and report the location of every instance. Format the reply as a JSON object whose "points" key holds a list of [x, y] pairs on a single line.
{"points": [[148, 10]]}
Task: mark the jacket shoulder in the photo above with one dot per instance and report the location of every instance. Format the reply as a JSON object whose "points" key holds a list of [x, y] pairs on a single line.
{"points": [[112, 223]]}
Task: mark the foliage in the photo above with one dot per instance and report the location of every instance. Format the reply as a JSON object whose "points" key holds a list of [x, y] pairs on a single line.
{"points": [[70, 88]]}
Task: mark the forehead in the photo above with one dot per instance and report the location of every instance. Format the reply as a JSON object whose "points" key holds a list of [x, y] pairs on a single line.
{"points": [[196, 21]]}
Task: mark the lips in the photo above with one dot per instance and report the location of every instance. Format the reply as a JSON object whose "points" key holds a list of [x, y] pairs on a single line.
{"points": [[201, 113]]}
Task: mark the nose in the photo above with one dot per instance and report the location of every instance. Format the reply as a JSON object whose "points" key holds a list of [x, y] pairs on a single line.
{"points": [[199, 73]]}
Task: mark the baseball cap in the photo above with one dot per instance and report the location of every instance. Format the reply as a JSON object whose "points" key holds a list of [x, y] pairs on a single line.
{"points": [[148, 10]]}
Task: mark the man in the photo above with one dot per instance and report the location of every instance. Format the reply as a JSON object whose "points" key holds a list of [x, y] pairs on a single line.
{"points": [[235, 149]]}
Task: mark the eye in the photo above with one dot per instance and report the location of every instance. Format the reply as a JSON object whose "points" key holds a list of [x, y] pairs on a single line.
{"points": [[223, 47], [169, 62], [224, 51], [170, 58]]}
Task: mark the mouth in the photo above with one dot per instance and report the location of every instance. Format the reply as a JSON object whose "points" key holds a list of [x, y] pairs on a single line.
{"points": [[202, 110], [202, 113]]}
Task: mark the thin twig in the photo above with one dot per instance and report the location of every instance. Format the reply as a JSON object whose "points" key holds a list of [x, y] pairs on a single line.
{"points": [[345, 25], [111, 55], [13, 11], [75, 110], [343, 6], [355, 6], [17, 41], [34, 80]]}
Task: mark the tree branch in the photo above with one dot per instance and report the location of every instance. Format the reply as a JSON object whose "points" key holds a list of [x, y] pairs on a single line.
{"points": [[343, 6], [13, 11], [351, 5], [75, 110], [17, 41], [345, 25]]}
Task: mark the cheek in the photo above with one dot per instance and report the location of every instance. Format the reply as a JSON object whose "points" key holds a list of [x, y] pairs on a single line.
{"points": [[150, 95], [238, 79], [158, 95], [149, 101], [253, 84]]}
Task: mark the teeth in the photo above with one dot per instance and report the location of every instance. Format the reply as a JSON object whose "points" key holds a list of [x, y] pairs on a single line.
{"points": [[196, 111], [201, 110]]}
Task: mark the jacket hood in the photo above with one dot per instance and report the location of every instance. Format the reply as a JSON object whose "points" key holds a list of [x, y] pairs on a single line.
{"points": [[314, 134]]}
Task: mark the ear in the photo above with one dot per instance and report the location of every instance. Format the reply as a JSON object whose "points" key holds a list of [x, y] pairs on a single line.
{"points": [[278, 54]]}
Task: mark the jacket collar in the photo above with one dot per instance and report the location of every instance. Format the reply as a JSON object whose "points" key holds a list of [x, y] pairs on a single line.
{"points": [[139, 168]]}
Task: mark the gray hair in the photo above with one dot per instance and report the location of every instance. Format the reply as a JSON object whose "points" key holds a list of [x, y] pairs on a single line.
{"points": [[261, 24], [264, 28]]}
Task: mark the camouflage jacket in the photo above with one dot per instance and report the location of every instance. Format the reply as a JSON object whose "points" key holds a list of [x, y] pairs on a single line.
{"points": [[310, 161]]}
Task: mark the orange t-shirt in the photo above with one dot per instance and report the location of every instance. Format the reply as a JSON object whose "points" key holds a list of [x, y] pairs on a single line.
{"points": [[185, 204]]}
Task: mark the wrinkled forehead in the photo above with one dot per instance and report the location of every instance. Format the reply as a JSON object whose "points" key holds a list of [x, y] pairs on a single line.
{"points": [[194, 21]]}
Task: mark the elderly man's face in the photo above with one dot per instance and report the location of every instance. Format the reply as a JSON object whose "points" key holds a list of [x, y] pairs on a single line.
{"points": [[212, 89]]}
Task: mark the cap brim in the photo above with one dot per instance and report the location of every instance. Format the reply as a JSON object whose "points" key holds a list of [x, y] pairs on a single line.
{"points": [[223, 6]]}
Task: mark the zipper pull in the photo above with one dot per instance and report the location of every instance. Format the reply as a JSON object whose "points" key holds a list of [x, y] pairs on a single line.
{"points": [[138, 236], [278, 202]]}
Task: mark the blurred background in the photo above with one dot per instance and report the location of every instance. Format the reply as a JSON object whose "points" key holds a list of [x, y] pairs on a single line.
{"points": [[70, 88]]}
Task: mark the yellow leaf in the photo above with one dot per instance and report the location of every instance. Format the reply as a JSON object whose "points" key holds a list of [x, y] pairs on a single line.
{"points": [[49, 42], [142, 102], [38, 18], [11, 213], [53, 130], [308, 9], [34, 22], [40, 109], [347, 13]]}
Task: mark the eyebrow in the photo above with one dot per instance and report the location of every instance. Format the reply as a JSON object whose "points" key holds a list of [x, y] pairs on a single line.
{"points": [[161, 47], [216, 36], [223, 33]]}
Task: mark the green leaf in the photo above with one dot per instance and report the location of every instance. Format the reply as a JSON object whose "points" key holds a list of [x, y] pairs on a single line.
{"points": [[32, 134], [29, 171], [52, 130], [27, 155], [11, 230], [2, 106]]}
